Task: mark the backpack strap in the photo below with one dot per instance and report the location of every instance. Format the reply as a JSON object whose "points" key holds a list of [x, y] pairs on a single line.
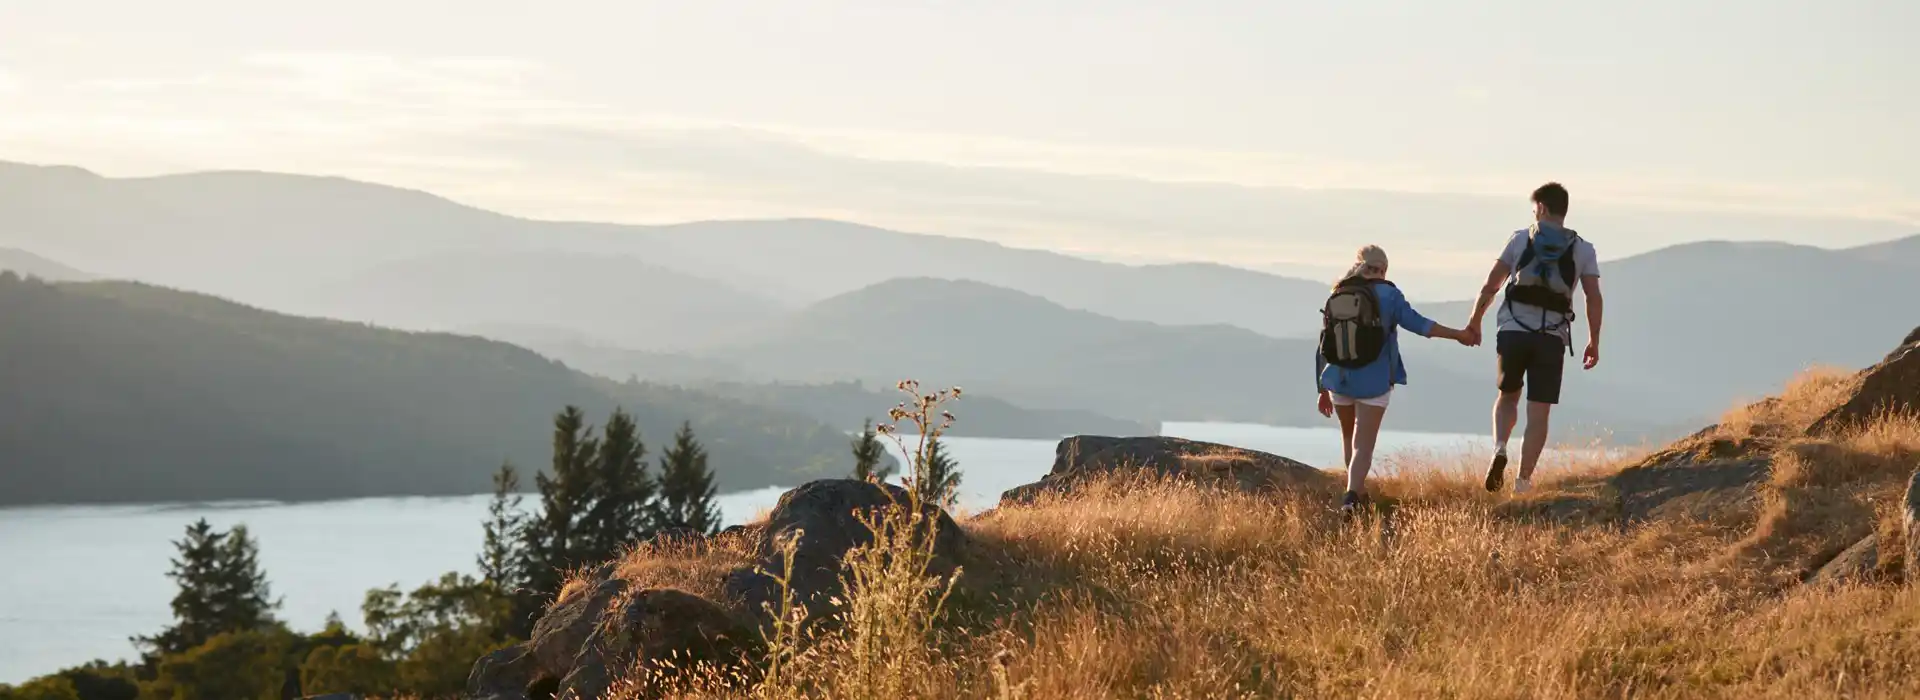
{"points": [[1568, 269]]}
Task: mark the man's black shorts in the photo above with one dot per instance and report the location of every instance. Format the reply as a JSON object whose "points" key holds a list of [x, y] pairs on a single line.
{"points": [[1536, 360]]}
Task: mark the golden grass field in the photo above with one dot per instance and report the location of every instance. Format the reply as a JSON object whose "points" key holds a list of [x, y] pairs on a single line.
{"points": [[1163, 590]]}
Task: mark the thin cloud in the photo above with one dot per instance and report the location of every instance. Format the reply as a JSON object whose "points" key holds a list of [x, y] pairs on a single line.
{"points": [[486, 131]]}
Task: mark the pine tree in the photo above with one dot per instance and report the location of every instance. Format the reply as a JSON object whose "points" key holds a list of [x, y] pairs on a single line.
{"points": [[867, 455], [686, 487], [503, 555], [937, 478], [619, 514], [553, 545], [222, 589]]}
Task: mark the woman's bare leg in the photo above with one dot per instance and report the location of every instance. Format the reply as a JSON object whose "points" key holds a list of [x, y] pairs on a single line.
{"points": [[1346, 433], [1366, 432]]}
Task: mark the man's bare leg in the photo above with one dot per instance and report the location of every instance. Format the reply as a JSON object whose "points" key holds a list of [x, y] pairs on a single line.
{"points": [[1535, 442], [1506, 411]]}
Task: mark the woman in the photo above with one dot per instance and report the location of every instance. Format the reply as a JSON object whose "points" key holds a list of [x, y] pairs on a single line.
{"points": [[1360, 395]]}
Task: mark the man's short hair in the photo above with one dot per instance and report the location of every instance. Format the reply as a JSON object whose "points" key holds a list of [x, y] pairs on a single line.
{"points": [[1554, 197]]}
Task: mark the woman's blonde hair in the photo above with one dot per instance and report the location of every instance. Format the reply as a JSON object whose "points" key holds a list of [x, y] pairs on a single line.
{"points": [[1370, 261]]}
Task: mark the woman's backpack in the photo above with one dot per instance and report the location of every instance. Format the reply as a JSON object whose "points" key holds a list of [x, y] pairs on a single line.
{"points": [[1352, 333]]}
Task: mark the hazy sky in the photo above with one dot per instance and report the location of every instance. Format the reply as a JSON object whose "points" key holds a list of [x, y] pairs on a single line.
{"points": [[649, 111]]}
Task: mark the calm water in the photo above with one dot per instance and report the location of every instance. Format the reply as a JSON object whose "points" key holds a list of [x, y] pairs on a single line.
{"points": [[76, 582]]}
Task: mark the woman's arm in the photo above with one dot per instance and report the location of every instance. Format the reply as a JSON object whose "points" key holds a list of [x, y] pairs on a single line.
{"points": [[1440, 331]]}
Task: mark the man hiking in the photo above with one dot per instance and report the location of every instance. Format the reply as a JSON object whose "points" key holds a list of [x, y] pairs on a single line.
{"points": [[1539, 271]]}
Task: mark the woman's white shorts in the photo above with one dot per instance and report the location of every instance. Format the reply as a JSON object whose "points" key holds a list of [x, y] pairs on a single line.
{"points": [[1377, 401]]}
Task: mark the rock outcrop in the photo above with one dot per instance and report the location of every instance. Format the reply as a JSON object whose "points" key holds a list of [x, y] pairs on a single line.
{"points": [[1894, 384], [1910, 516], [823, 514], [1077, 459], [1697, 480], [608, 627], [584, 643], [1858, 562]]}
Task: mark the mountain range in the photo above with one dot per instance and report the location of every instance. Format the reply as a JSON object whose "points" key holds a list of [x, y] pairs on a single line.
{"points": [[750, 305]]}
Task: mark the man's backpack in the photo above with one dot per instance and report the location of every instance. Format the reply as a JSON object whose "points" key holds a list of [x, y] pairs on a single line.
{"points": [[1545, 274], [1352, 332]]}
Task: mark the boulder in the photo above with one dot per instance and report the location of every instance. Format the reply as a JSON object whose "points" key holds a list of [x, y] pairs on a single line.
{"points": [[1701, 480], [824, 515], [1079, 458], [607, 630], [1892, 385], [1855, 563], [1910, 517], [587, 641]]}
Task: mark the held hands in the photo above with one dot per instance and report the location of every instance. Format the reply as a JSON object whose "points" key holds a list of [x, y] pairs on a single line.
{"points": [[1470, 337], [1326, 404]]}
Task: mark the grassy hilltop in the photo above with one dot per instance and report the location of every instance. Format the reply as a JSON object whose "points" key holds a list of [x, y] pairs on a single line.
{"points": [[1655, 576]]}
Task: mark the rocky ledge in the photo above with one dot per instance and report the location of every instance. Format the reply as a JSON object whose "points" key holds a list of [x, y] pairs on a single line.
{"points": [[1080, 459]]}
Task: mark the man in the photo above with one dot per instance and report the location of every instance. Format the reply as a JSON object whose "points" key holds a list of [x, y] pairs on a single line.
{"points": [[1538, 270]]}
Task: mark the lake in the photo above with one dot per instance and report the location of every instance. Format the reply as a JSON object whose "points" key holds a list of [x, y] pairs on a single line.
{"points": [[77, 581]]}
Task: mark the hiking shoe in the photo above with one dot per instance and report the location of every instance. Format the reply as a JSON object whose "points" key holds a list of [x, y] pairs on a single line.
{"points": [[1497, 472], [1350, 504], [1521, 486]]}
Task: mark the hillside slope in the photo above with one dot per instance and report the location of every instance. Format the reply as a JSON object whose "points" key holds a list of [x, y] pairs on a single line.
{"points": [[126, 392], [30, 265], [1905, 251], [622, 299]]}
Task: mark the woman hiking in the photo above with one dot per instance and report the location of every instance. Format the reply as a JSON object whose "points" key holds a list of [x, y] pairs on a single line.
{"points": [[1358, 362]]}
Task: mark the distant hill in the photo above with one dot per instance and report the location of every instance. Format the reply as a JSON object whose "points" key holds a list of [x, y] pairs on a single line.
{"points": [[614, 362], [817, 259], [129, 392], [1905, 251], [849, 403], [835, 403], [626, 300], [30, 265], [1038, 354], [248, 235], [1693, 329], [299, 243]]}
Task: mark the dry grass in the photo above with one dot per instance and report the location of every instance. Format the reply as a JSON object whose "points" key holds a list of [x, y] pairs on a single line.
{"points": [[1175, 591], [1159, 589], [1806, 398]]}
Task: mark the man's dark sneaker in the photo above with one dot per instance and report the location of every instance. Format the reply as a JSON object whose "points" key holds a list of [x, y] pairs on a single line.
{"points": [[1350, 504], [1497, 472]]}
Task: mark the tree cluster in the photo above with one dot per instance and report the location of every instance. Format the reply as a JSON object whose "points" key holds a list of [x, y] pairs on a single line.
{"points": [[596, 498]]}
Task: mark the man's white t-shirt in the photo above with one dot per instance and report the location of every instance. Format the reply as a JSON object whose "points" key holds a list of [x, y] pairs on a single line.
{"points": [[1586, 263]]}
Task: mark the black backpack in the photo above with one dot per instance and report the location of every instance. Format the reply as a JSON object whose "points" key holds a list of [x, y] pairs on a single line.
{"points": [[1531, 282], [1352, 332]]}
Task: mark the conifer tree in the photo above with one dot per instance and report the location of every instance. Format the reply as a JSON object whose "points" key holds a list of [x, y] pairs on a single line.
{"points": [[553, 543], [503, 555], [867, 455], [222, 589], [686, 487], [937, 478], [619, 514]]}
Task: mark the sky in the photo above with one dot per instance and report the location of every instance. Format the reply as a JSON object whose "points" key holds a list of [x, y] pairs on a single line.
{"points": [[1099, 128]]}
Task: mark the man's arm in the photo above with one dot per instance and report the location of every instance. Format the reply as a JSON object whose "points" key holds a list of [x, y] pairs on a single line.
{"points": [[1495, 278], [1596, 306]]}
